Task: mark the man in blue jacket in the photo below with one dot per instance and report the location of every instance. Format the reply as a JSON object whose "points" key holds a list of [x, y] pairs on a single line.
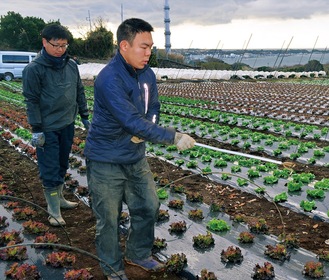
{"points": [[126, 114], [54, 95]]}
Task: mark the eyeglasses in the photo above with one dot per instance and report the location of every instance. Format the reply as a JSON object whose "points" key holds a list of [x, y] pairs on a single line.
{"points": [[57, 47]]}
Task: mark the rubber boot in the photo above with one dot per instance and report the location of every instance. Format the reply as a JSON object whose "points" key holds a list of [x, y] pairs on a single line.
{"points": [[63, 202], [53, 206]]}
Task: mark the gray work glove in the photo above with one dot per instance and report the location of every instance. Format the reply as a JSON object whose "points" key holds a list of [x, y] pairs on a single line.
{"points": [[136, 140], [183, 141], [86, 123], [38, 139]]}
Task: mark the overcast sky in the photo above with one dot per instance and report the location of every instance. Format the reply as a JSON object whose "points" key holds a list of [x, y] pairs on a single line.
{"points": [[221, 24]]}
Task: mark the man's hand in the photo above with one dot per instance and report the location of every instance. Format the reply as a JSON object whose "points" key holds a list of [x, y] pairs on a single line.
{"points": [[86, 123], [183, 141], [38, 139], [136, 140]]}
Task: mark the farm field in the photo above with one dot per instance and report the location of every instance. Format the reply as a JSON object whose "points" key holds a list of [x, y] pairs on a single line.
{"points": [[282, 122]]}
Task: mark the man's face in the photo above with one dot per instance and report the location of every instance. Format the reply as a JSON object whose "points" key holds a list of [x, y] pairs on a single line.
{"points": [[55, 47], [137, 54]]}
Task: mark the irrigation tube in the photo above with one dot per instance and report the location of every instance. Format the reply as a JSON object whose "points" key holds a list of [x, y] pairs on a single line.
{"points": [[237, 153]]}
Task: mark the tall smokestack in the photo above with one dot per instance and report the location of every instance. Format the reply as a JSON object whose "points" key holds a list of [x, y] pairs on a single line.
{"points": [[167, 28]]}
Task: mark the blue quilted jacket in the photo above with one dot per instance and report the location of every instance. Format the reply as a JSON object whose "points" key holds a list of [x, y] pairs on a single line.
{"points": [[125, 105]]}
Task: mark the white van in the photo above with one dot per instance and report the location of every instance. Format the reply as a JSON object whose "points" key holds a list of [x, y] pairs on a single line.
{"points": [[12, 63]]}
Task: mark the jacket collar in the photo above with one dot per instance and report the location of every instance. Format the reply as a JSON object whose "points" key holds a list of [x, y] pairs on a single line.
{"points": [[132, 71]]}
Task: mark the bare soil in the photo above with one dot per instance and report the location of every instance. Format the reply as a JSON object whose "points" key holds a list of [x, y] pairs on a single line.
{"points": [[21, 175]]}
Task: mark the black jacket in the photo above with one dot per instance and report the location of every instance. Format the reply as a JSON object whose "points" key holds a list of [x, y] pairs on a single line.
{"points": [[53, 96]]}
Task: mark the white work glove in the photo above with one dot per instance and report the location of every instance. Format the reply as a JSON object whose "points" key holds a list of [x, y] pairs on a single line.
{"points": [[183, 141], [38, 139], [136, 140]]}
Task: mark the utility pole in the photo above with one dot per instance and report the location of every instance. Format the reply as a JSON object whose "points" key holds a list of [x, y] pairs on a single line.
{"points": [[89, 19]]}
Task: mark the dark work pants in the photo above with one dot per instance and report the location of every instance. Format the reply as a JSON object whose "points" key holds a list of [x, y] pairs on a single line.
{"points": [[53, 157]]}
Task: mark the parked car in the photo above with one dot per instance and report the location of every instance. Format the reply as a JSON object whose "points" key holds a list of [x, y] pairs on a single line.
{"points": [[12, 63]]}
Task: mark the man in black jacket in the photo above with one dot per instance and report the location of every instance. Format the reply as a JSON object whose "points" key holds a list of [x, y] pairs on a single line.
{"points": [[54, 95]]}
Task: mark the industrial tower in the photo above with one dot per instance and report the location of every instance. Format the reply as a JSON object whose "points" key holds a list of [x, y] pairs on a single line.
{"points": [[167, 28]]}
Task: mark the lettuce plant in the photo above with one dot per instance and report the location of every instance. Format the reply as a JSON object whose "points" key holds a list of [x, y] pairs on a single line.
{"points": [[315, 193], [308, 206], [313, 269], [203, 241], [270, 179], [218, 225], [281, 197], [176, 263]]}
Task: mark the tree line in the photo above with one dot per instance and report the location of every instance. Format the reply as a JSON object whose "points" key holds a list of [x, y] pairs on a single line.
{"points": [[24, 34]]}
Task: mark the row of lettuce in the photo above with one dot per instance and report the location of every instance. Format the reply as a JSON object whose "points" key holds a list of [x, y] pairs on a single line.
{"points": [[286, 140]]}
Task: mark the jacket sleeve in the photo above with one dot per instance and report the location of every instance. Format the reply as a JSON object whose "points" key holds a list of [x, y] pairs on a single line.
{"points": [[31, 93], [81, 98]]}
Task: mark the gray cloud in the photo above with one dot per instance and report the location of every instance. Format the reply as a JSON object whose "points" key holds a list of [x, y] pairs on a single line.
{"points": [[74, 13], [206, 12]]}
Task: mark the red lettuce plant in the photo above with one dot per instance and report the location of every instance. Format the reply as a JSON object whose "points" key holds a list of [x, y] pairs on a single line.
{"points": [[239, 218], [265, 272], [48, 237], [246, 237], [11, 204], [82, 169], [34, 227], [313, 269], [196, 214], [289, 240], [8, 236], [259, 226], [176, 203], [159, 244], [324, 255], [232, 254], [79, 274], [203, 241], [207, 275], [176, 263], [13, 253], [82, 190], [177, 188], [194, 196], [60, 259], [4, 190], [163, 182], [16, 142], [24, 213], [23, 272], [163, 215], [178, 227], [72, 183], [278, 252]]}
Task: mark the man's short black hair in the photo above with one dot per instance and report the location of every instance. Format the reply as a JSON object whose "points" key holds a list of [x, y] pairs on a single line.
{"points": [[56, 31], [128, 29]]}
